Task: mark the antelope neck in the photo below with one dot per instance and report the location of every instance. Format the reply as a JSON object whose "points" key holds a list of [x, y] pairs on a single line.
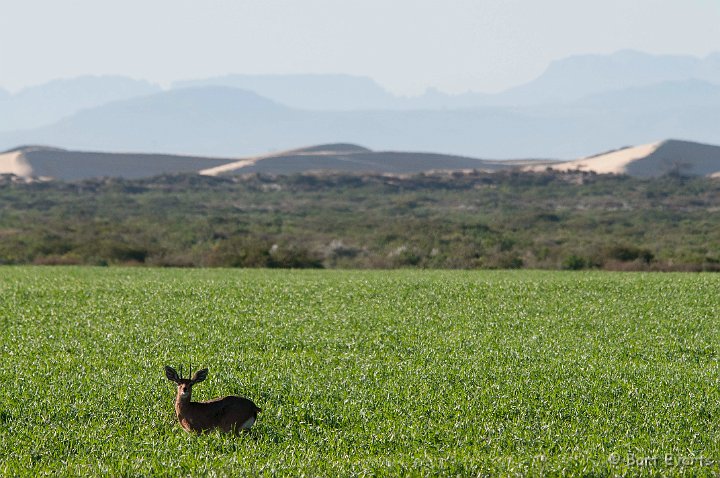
{"points": [[181, 400]]}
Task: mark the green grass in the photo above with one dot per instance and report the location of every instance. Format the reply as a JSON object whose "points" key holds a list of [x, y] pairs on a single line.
{"points": [[360, 373]]}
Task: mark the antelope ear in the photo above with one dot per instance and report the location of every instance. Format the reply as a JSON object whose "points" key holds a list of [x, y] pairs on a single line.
{"points": [[171, 374], [199, 376]]}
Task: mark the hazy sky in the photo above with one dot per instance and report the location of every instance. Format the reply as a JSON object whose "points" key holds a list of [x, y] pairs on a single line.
{"points": [[406, 45]]}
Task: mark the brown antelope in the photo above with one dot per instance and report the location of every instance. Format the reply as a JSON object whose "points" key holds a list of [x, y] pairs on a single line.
{"points": [[230, 413]]}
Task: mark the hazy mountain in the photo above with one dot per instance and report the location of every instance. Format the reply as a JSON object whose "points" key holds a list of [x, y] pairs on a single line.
{"points": [[564, 80], [213, 121], [577, 107], [681, 94], [311, 92], [222, 121], [578, 76], [47, 103], [230, 122]]}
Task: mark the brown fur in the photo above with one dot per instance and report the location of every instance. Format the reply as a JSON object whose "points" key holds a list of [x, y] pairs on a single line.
{"points": [[227, 413]]}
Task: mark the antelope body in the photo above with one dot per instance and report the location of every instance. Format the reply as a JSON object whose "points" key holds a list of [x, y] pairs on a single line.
{"points": [[230, 413]]}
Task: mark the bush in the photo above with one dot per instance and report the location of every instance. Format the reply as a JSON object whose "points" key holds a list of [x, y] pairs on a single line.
{"points": [[240, 252], [293, 257], [574, 263], [258, 252], [624, 253]]}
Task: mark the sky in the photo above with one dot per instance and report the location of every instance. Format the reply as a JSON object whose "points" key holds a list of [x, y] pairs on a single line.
{"points": [[405, 45]]}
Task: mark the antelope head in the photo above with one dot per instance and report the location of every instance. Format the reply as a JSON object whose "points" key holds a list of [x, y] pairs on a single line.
{"points": [[185, 384]]}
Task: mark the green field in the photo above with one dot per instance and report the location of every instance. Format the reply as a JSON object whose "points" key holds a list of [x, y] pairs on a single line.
{"points": [[361, 373]]}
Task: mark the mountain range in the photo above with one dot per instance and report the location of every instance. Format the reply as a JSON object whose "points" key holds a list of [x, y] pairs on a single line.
{"points": [[564, 80], [45, 104], [578, 106]]}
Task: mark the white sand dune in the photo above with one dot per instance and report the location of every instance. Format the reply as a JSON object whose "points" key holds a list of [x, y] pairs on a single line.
{"points": [[45, 163], [230, 167], [615, 162], [14, 162], [649, 160], [323, 150]]}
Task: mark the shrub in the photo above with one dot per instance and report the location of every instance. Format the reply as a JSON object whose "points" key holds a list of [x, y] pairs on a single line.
{"points": [[574, 263], [626, 253]]}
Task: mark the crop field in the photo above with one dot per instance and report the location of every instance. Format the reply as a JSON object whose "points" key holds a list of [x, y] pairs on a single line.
{"points": [[361, 373]]}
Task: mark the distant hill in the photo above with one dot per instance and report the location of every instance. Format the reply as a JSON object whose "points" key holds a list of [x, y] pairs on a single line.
{"points": [[194, 121], [310, 92], [673, 157], [47, 103], [576, 77], [223, 121], [353, 159], [580, 105], [650, 160], [565, 80], [54, 163], [669, 95]]}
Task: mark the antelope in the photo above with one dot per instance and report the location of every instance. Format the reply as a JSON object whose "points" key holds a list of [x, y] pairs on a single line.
{"points": [[231, 413]]}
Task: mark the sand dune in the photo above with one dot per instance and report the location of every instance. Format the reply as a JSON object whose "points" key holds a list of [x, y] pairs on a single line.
{"points": [[649, 160], [321, 150], [14, 162], [614, 162], [229, 168], [53, 163], [351, 158]]}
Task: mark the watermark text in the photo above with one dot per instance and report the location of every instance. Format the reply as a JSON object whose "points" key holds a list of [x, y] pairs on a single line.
{"points": [[667, 460]]}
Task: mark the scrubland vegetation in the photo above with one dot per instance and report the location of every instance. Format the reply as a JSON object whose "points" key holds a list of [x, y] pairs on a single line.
{"points": [[457, 221], [365, 373]]}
